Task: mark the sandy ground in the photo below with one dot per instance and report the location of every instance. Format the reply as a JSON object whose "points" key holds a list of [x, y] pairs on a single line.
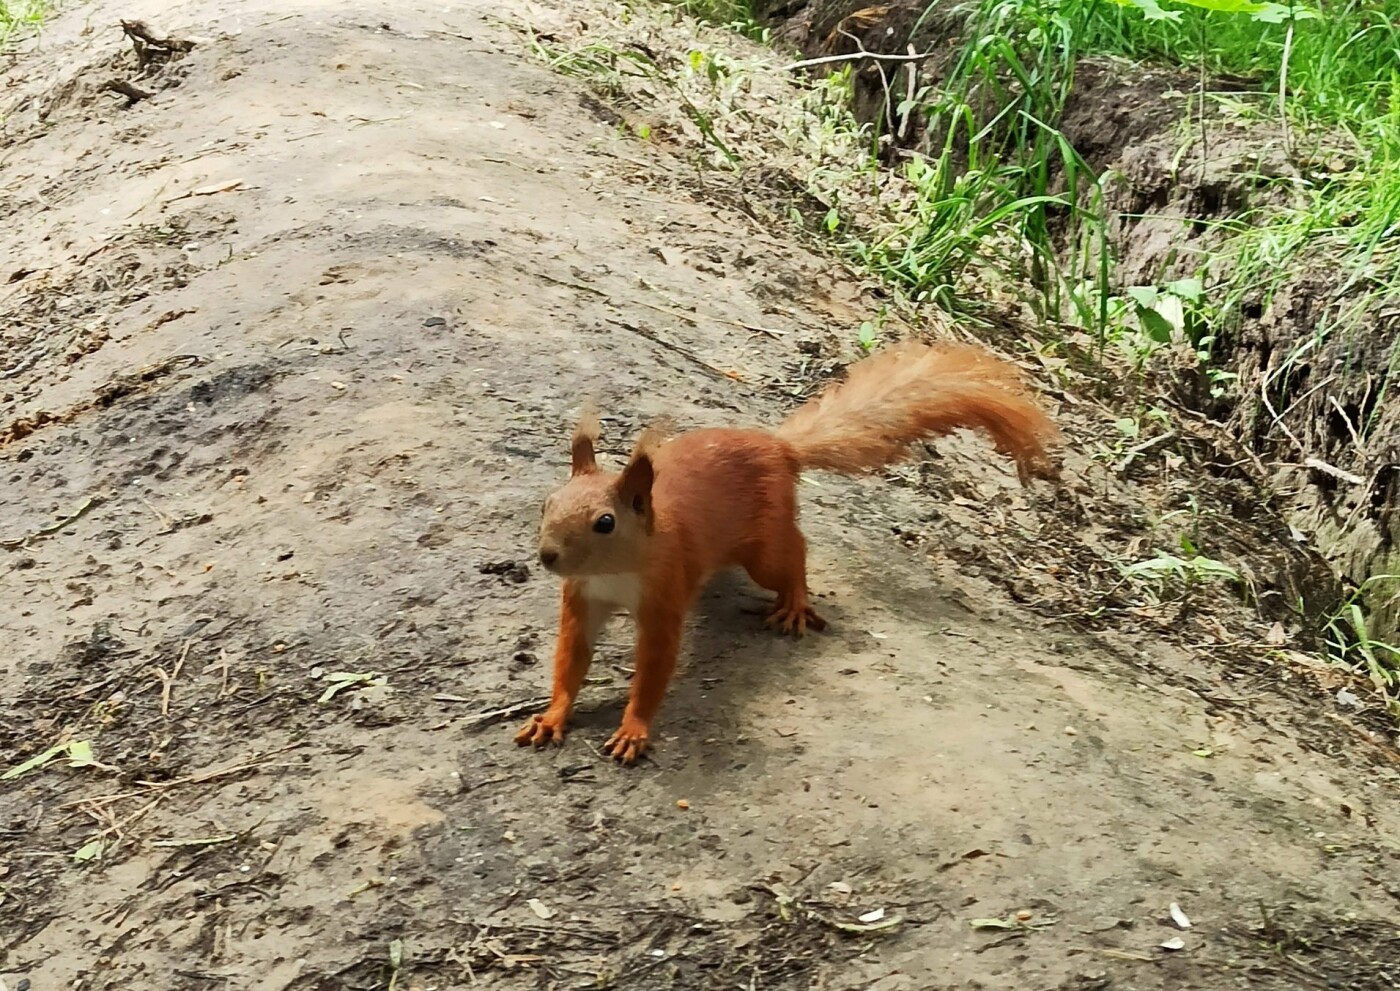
{"points": [[293, 348]]}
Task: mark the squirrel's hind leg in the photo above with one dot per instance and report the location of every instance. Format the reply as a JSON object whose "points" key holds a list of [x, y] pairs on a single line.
{"points": [[779, 564]]}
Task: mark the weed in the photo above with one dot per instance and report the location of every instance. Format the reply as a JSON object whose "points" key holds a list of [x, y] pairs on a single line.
{"points": [[998, 186], [957, 216], [603, 66], [1350, 644], [1127, 442], [20, 16], [1164, 571], [736, 15], [868, 336]]}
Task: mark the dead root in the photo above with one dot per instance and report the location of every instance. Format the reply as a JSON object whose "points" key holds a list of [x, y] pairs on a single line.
{"points": [[105, 395], [134, 94], [153, 51], [153, 48]]}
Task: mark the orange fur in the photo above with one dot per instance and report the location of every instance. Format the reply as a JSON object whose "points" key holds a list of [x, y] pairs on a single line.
{"points": [[912, 391], [711, 499]]}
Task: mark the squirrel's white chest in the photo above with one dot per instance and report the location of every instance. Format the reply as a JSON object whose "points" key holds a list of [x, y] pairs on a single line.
{"points": [[617, 591]]}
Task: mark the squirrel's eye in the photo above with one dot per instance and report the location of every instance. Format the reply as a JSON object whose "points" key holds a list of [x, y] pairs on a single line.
{"points": [[604, 524]]}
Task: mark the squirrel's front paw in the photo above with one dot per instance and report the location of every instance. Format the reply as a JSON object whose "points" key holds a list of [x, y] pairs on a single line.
{"points": [[546, 728], [629, 742]]}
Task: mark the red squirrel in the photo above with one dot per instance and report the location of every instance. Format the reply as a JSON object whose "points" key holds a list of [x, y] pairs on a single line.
{"points": [[646, 539]]}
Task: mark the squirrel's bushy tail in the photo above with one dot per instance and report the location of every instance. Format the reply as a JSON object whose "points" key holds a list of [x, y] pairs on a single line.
{"points": [[913, 391]]}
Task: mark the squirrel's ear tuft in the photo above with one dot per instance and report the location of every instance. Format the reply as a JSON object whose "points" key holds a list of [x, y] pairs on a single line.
{"points": [[656, 434], [585, 436]]}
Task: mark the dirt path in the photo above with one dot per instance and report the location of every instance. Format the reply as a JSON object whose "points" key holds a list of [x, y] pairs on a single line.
{"points": [[303, 424]]}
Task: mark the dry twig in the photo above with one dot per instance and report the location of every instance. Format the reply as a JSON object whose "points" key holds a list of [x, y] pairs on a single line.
{"points": [[15, 543]]}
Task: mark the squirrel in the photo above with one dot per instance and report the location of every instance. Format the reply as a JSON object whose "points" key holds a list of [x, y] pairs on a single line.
{"points": [[646, 539]]}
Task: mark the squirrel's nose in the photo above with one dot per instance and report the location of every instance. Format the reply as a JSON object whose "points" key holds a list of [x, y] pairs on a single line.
{"points": [[548, 556]]}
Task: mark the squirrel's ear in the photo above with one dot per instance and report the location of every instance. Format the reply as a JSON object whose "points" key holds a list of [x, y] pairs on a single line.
{"points": [[634, 487], [585, 436]]}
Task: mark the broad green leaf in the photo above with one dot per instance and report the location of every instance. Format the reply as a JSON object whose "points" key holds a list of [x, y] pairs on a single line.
{"points": [[345, 679], [992, 924], [1170, 309], [1188, 289], [1160, 565], [1151, 10], [1271, 13], [1144, 296], [90, 850], [1157, 327], [33, 762], [1208, 568], [80, 754], [1267, 12]]}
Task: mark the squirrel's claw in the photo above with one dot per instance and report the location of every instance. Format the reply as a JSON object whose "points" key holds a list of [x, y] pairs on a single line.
{"points": [[629, 742], [542, 730], [795, 620]]}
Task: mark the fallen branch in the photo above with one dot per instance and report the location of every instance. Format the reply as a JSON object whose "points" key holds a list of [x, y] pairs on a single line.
{"points": [[150, 46], [504, 712], [197, 841], [167, 679], [213, 774], [689, 318], [788, 905], [134, 94], [856, 57], [15, 543], [685, 353], [1132, 453], [24, 365], [1317, 464]]}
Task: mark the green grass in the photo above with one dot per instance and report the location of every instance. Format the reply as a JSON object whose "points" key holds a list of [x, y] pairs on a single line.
{"points": [[991, 189], [737, 15], [718, 11], [1340, 66], [20, 16], [990, 185], [1349, 640], [1333, 83]]}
